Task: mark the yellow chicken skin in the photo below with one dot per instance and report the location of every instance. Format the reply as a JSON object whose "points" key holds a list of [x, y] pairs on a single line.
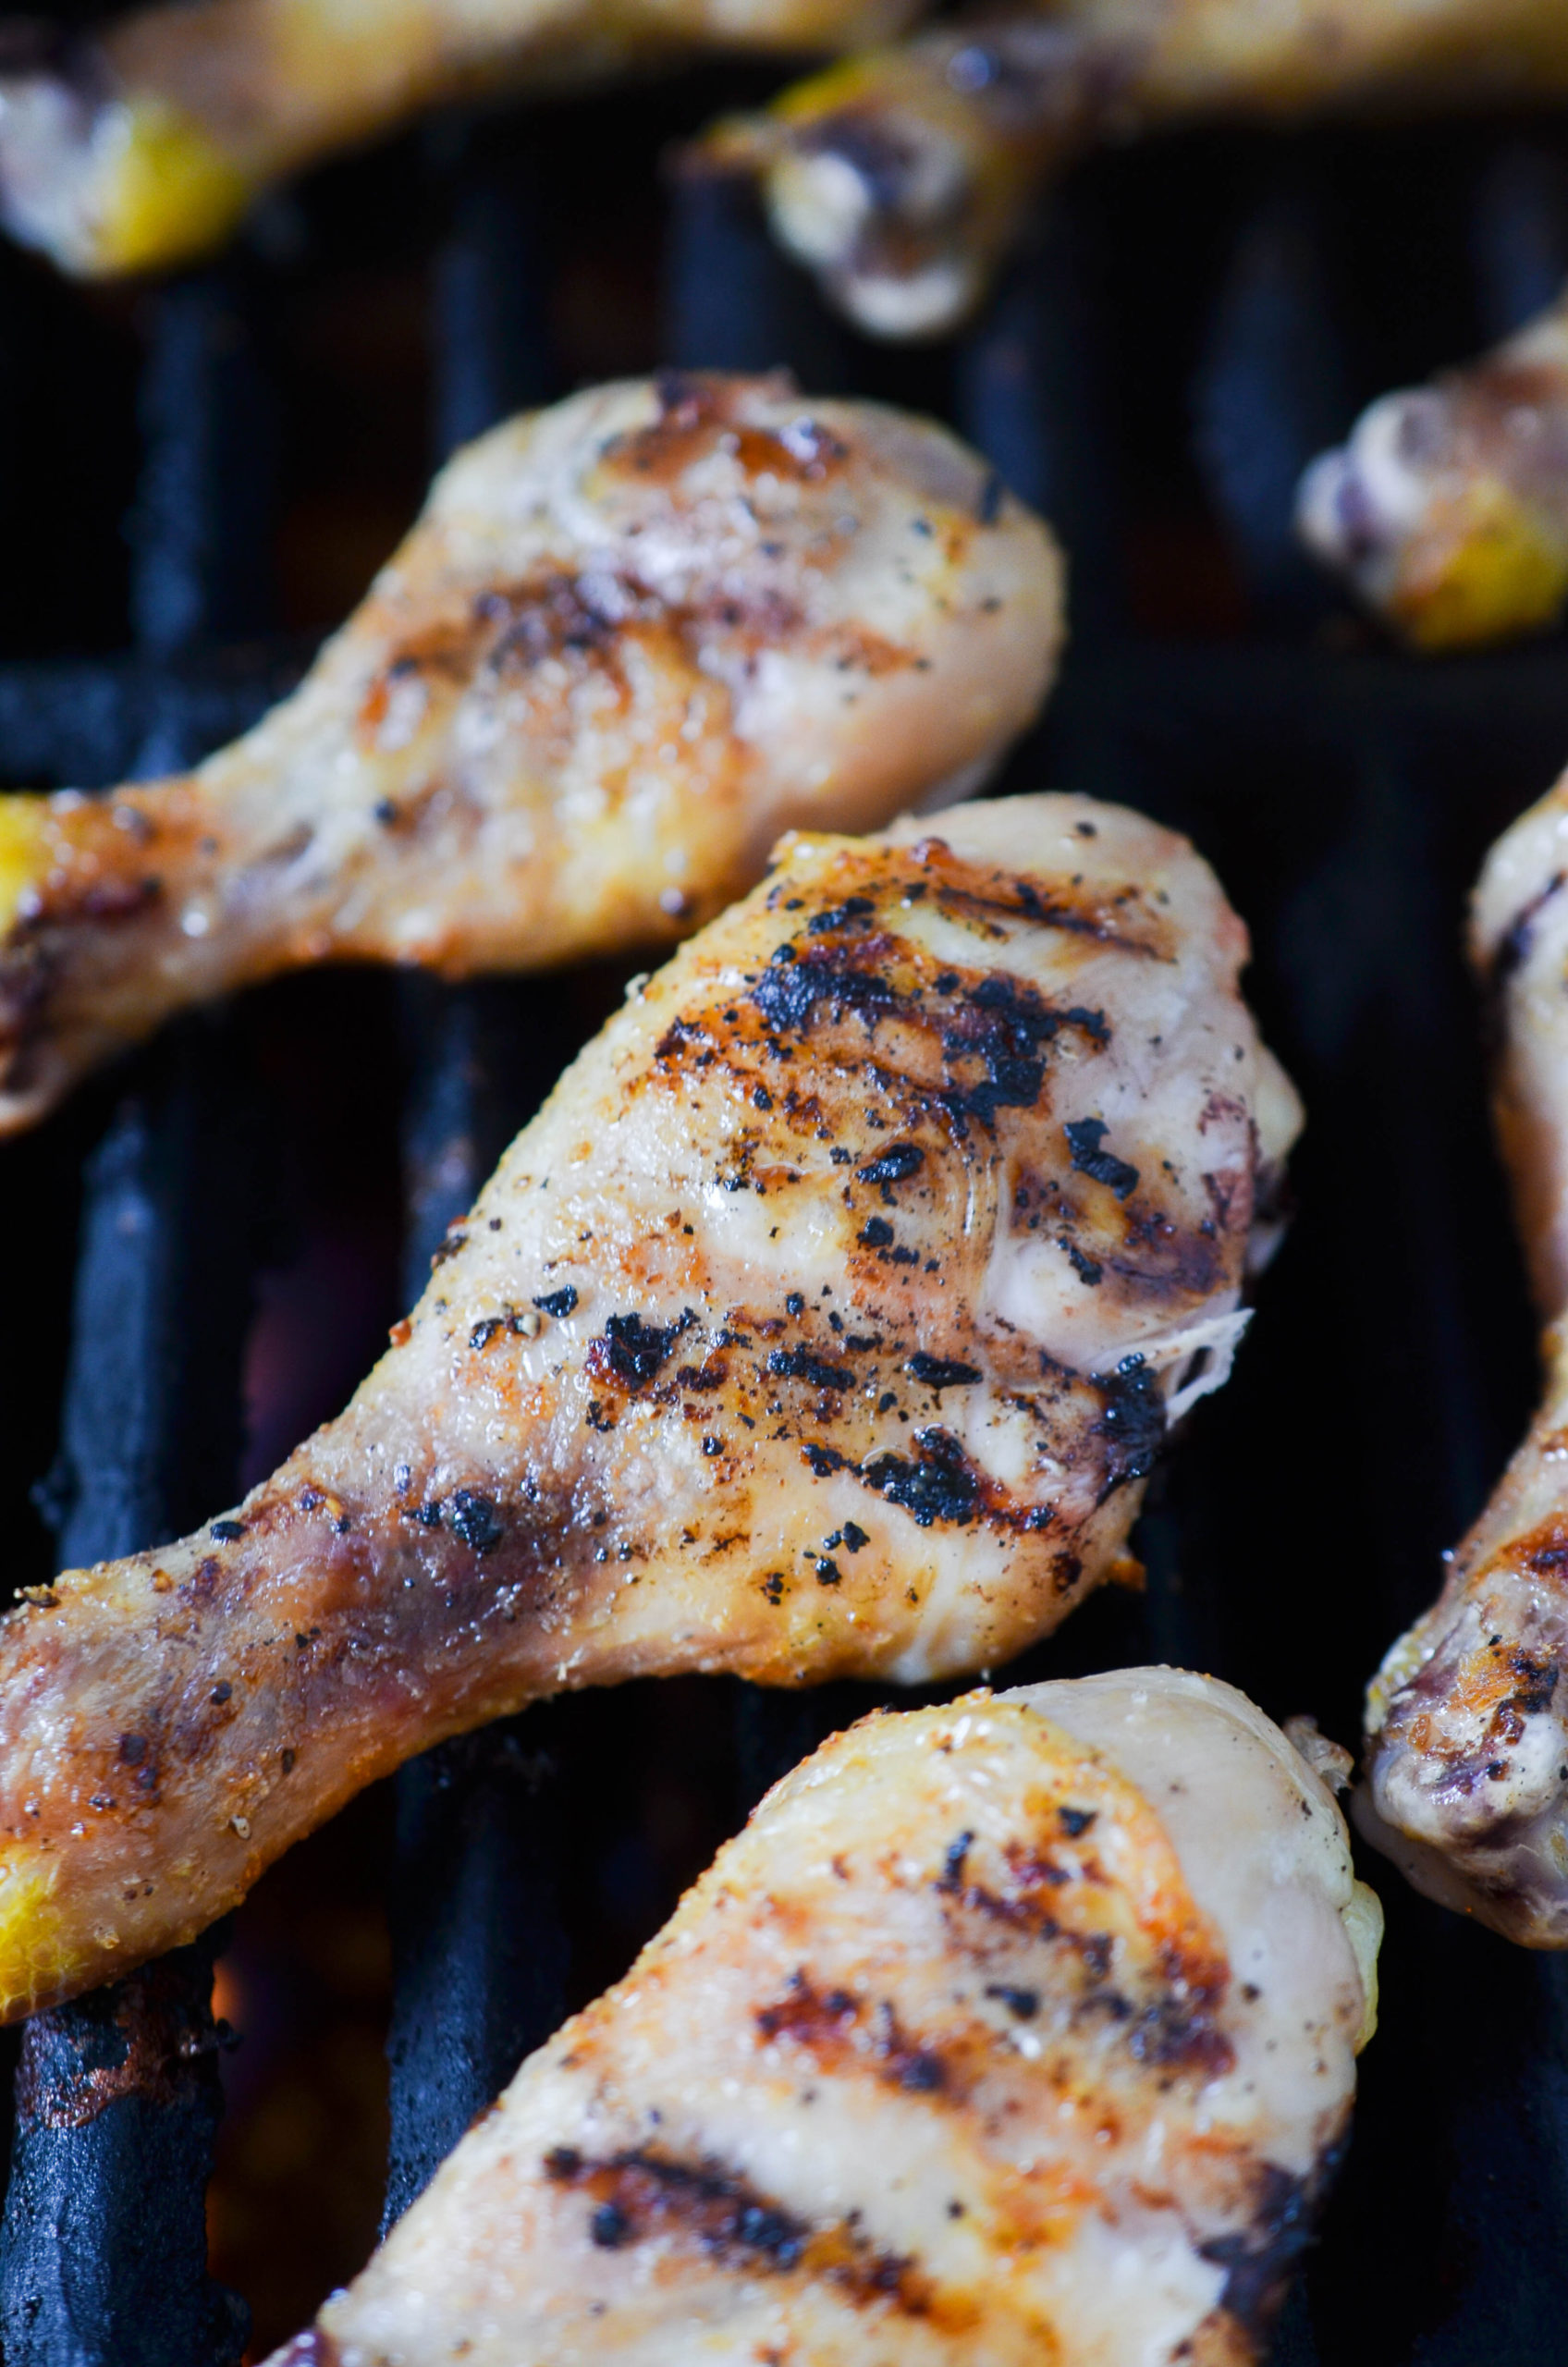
{"points": [[1447, 511], [144, 144], [1467, 1718], [630, 640], [827, 1320], [902, 176], [1021, 2030]]}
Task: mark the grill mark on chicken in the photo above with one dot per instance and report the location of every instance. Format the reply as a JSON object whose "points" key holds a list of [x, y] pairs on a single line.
{"points": [[838, 2109], [836, 2028], [1165, 2013], [641, 2195]]}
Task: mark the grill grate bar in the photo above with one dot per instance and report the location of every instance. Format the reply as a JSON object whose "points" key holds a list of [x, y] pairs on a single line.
{"points": [[478, 1946], [103, 2253]]}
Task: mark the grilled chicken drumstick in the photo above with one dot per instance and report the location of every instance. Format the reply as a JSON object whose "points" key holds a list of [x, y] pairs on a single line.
{"points": [[144, 144], [901, 176], [1018, 2030], [630, 639], [1447, 511], [1468, 1715], [826, 1321]]}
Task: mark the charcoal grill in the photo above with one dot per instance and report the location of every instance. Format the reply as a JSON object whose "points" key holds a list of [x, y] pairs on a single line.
{"points": [[1190, 323]]}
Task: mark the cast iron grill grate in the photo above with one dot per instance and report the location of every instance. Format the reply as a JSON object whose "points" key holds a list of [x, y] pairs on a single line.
{"points": [[1191, 324]]}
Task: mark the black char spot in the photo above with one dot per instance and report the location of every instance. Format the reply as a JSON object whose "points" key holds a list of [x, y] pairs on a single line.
{"points": [[799, 1364], [1085, 1136], [475, 1518], [1132, 1424], [940, 1372], [557, 1303], [897, 1162], [937, 1485], [639, 1350]]}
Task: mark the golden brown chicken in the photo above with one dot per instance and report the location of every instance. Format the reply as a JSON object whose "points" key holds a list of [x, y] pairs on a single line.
{"points": [[144, 143], [827, 1320], [1467, 1718], [1017, 2032], [1447, 511], [630, 639], [902, 176]]}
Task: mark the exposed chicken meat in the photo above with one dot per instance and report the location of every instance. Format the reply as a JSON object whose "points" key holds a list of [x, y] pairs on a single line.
{"points": [[901, 176], [631, 639], [1013, 2031], [144, 143], [1468, 1716], [826, 1321], [1447, 511]]}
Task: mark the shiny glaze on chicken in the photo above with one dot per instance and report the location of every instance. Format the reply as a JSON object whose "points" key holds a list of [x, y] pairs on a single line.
{"points": [[902, 176], [826, 1321], [631, 639], [1467, 1719], [144, 143], [1447, 509], [1021, 2030]]}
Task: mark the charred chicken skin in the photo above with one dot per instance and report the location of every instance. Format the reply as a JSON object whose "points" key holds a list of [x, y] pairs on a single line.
{"points": [[146, 143], [1447, 511], [1018, 2030], [630, 639], [825, 1321], [1467, 1719], [902, 176]]}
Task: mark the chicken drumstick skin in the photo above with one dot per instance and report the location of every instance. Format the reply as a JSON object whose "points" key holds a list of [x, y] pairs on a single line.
{"points": [[632, 639], [1447, 509], [1467, 1718], [901, 176], [1018, 2030], [825, 1321], [146, 143]]}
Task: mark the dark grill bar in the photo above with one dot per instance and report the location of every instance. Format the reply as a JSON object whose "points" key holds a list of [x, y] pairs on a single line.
{"points": [[1190, 323]]}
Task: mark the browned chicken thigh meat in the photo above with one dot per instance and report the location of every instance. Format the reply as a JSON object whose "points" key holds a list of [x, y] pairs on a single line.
{"points": [[828, 1320], [630, 640], [1021, 2030]]}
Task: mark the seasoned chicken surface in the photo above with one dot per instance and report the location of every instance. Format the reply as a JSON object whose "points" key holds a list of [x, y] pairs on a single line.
{"points": [[827, 1320], [1467, 1718], [144, 143], [1447, 511], [901, 176], [630, 639], [1021, 2030]]}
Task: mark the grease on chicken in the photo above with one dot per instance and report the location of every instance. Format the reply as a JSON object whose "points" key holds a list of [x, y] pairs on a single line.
{"points": [[144, 143], [1447, 511], [901, 176], [827, 1320], [1017, 2030], [631, 639], [1467, 1718]]}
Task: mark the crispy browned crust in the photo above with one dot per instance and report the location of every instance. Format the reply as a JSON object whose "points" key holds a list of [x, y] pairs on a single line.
{"points": [[715, 1377]]}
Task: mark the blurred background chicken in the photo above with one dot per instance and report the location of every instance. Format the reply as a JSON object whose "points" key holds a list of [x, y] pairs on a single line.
{"points": [[899, 177], [902, 176], [1447, 509], [1001, 2035], [145, 144], [631, 639]]}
